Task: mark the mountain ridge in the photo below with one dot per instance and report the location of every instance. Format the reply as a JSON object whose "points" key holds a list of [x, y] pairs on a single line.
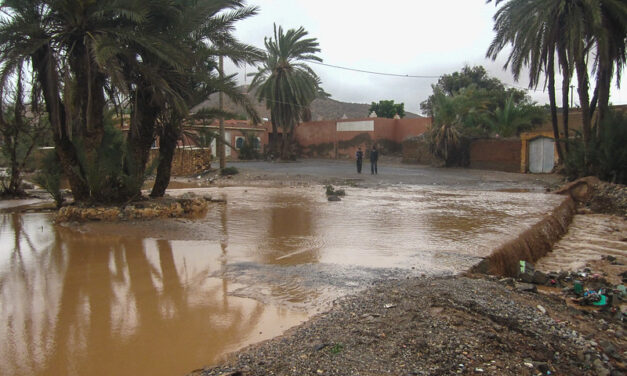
{"points": [[321, 109]]}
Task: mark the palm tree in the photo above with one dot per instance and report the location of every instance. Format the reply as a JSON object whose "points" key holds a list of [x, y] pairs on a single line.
{"points": [[85, 53], [206, 33], [534, 28], [537, 29], [611, 52], [72, 47], [445, 135], [512, 119], [286, 83]]}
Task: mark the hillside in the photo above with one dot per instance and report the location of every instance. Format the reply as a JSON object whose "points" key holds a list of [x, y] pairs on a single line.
{"points": [[321, 109]]}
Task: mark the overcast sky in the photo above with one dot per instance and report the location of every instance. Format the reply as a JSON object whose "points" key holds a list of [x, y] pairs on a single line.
{"points": [[407, 37]]}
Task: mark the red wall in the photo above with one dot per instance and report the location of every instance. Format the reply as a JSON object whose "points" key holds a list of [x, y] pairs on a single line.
{"points": [[321, 138], [496, 154]]}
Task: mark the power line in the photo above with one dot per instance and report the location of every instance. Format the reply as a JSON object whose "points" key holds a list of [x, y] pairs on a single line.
{"points": [[371, 72], [412, 76]]}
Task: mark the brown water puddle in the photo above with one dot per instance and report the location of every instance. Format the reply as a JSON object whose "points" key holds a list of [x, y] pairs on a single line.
{"points": [[159, 297], [81, 304]]}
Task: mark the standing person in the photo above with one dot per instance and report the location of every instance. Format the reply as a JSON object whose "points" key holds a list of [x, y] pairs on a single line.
{"points": [[360, 157], [374, 157]]}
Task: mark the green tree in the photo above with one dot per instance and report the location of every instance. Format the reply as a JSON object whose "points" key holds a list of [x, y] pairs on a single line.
{"points": [[512, 119], [491, 89], [610, 35], [445, 135], [203, 30], [387, 109], [86, 54], [286, 83], [73, 49], [20, 133], [537, 30]]}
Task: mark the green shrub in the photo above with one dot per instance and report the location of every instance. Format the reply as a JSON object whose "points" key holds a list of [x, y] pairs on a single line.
{"points": [[229, 171], [607, 154], [49, 176], [249, 149]]}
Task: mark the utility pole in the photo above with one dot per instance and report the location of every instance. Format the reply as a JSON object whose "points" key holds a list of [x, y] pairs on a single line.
{"points": [[572, 87], [220, 144]]}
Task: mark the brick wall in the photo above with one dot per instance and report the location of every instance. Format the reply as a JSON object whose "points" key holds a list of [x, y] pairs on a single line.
{"points": [[496, 154], [416, 151]]}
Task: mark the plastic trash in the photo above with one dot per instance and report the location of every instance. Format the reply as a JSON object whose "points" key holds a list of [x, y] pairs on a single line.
{"points": [[578, 287], [601, 302]]}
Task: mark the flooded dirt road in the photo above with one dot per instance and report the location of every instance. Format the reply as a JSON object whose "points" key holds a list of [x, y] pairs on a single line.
{"points": [[166, 297]]}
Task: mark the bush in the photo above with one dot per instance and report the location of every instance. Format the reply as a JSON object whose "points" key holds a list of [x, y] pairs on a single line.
{"points": [[49, 176], [249, 150], [229, 171], [607, 155]]}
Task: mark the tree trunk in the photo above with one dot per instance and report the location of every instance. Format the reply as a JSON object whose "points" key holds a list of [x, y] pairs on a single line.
{"points": [[274, 144], [604, 78], [285, 147], [45, 66], [167, 145], [140, 138], [553, 106], [584, 101], [88, 105], [220, 145], [566, 74]]}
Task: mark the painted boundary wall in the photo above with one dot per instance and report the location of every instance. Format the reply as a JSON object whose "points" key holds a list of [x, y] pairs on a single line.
{"points": [[341, 138]]}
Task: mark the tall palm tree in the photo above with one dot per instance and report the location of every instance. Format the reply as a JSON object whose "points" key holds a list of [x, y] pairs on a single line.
{"points": [[537, 29], [534, 29], [72, 48], [610, 35], [286, 83], [205, 30]]}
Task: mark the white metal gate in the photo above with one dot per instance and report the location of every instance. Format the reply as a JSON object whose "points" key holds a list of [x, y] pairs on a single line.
{"points": [[541, 155]]}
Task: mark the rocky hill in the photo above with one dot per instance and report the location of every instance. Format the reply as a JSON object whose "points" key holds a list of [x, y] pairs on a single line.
{"points": [[321, 109]]}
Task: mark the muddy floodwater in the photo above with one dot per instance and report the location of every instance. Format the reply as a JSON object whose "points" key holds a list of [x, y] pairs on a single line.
{"points": [[166, 297]]}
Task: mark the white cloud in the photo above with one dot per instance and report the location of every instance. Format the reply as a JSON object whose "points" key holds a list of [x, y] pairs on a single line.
{"points": [[420, 37]]}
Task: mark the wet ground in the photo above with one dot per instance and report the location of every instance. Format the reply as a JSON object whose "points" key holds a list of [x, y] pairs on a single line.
{"points": [[590, 238], [165, 297]]}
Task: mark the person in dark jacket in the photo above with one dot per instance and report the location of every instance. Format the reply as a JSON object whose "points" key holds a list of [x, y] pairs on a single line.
{"points": [[374, 157], [360, 158]]}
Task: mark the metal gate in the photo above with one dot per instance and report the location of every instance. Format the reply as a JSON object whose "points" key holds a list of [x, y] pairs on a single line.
{"points": [[541, 155]]}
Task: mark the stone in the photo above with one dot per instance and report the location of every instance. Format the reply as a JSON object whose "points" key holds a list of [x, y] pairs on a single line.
{"points": [[539, 278], [609, 348], [600, 369], [528, 287], [526, 271]]}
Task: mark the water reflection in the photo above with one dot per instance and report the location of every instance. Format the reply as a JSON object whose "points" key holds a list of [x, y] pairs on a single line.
{"points": [[290, 239], [77, 304]]}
